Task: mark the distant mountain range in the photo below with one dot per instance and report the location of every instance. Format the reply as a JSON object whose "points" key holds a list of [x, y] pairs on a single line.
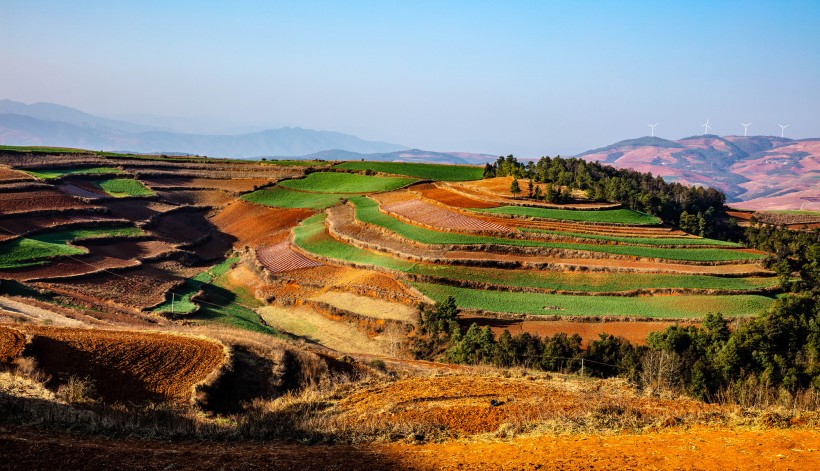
{"points": [[756, 172]]}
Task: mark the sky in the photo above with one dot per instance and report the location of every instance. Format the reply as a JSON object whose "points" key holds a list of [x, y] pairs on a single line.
{"points": [[528, 78]]}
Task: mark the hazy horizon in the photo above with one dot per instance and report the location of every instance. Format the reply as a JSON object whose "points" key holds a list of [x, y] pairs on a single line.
{"points": [[525, 78]]}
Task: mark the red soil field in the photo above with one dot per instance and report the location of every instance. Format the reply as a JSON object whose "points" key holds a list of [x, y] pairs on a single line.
{"points": [[700, 447], [11, 175], [12, 343], [281, 258], [182, 227], [238, 185], [82, 191], [25, 224], [442, 195], [126, 366], [430, 215], [254, 225], [132, 290], [135, 209], [213, 198], [20, 202], [635, 332]]}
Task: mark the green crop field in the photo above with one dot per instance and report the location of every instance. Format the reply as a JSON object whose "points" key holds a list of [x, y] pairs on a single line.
{"points": [[339, 182], [683, 241], [437, 172], [41, 149], [550, 304], [311, 236], [282, 198], [367, 211], [50, 173], [28, 251], [123, 187], [616, 216]]}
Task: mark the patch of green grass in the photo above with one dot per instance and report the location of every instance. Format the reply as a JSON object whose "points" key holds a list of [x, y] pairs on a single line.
{"points": [[123, 187], [339, 182], [616, 216], [42, 149], [283, 198], [311, 236], [437, 172], [690, 241], [367, 211], [29, 251], [690, 306], [50, 173], [295, 163]]}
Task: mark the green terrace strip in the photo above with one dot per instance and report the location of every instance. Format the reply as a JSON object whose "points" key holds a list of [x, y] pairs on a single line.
{"points": [[616, 216], [311, 236], [638, 240], [295, 163], [41, 149], [282, 198], [181, 301], [367, 211], [452, 173], [340, 182], [123, 187], [689, 306], [50, 173], [29, 251]]}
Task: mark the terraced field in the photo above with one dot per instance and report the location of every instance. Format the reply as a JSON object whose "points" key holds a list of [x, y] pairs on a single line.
{"points": [[123, 187], [50, 173], [284, 198], [425, 171], [28, 251], [620, 216], [337, 182]]}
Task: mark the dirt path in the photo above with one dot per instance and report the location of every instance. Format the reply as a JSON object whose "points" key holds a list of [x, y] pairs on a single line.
{"points": [[697, 448], [18, 309]]}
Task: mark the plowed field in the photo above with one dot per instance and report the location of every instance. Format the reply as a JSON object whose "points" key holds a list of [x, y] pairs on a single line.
{"points": [[430, 215], [253, 224], [238, 185], [12, 343], [280, 258], [11, 175], [182, 227], [24, 224], [126, 366], [431, 191], [134, 209], [214, 198], [37, 201]]}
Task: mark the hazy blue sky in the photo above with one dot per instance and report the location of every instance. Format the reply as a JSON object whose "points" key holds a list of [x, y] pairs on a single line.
{"points": [[530, 78]]}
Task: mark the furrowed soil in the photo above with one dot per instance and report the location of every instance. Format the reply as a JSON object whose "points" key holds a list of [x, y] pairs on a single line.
{"points": [[442, 195], [12, 343], [213, 198], [281, 258], [254, 225], [126, 366], [20, 202], [238, 185]]}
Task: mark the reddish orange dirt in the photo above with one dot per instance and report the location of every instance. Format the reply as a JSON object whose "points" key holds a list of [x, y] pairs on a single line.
{"points": [[11, 175], [635, 332], [704, 448], [213, 198], [12, 343], [254, 225], [434, 216], [126, 366], [429, 190]]}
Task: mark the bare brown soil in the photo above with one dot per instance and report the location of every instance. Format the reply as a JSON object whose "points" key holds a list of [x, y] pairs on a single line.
{"points": [[135, 209], [11, 175], [281, 258], [253, 225], [236, 185], [85, 191], [39, 200], [635, 332], [213, 198], [445, 196], [433, 216], [182, 227], [12, 343], [126, 366], [26, 224]]}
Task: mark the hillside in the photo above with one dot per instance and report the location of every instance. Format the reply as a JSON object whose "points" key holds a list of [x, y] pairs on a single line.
{"points": [[756, 172], [335, 310]]}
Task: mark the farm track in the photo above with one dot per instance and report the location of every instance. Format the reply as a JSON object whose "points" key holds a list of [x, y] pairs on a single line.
{"points": [[127, 366], [12, 343]]}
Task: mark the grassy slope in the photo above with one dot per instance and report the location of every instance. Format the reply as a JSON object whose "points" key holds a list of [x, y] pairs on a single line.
{"points": [[338, 182], [562, 305], [283, 198], [49, 173], [622, 216], [122, 187], [691, 241], [311, 236], [426, 171], [27, 251], [367, 211]]}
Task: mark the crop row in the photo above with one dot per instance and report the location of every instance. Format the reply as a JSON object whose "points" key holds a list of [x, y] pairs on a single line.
{"points": [[662, 241], [367, 211], [616, 216]]}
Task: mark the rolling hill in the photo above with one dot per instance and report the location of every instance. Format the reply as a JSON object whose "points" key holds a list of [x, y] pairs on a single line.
{"points": [[756, 172]]}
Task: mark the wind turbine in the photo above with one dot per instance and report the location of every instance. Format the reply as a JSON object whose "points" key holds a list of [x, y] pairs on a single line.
{"points": [[745, 128], [706, 127], [783, 128], [653, 128]]}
